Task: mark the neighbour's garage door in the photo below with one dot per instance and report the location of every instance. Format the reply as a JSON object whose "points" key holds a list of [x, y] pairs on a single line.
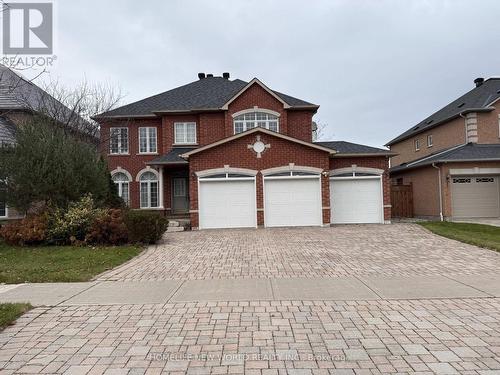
{"points": [[475, 196], [227, 203], [356, 200], [292, 200]]}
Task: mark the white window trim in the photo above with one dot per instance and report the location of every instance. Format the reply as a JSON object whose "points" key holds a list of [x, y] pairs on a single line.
{"points": [[416, 143], [159, 187], [256, 110], [129, 177], [6, 213], [148, 145], [291, 168], [225, 170], [119, 141], [185, 133], [432, 141], [353, 169]]}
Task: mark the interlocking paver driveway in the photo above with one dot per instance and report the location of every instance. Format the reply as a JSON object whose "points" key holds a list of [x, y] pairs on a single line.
{"points": [[281, 337], [424, 336], [384, 250]]}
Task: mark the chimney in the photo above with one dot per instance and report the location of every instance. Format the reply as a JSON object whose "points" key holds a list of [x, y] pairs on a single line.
{"points": [[201, 75], [225, 75], [479, 81], [210, 75]]}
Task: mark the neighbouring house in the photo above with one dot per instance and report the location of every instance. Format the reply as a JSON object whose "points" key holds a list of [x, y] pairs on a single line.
{"points": [[20, 99], [229, 153], [452, 158]]}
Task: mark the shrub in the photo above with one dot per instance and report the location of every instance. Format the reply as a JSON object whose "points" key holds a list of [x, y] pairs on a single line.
{"points": [[31, 230], [109, 228], [73, 224], [144, 226]]}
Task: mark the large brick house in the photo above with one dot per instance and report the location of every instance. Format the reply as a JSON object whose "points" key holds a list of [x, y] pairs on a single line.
{"points": [[231, 153], [452, 158]]}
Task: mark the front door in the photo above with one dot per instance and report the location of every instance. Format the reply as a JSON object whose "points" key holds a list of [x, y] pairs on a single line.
{"points": [[180, 196]]}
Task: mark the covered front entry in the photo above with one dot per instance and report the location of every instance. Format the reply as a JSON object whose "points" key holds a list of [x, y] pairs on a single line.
{"points": [[227, 201], [292, 199], [475, 196], [356, 199]]}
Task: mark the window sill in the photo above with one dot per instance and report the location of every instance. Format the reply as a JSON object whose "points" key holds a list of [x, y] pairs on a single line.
{"points": [[184, 144], [151, 208], [147, 153], [127, 154]]}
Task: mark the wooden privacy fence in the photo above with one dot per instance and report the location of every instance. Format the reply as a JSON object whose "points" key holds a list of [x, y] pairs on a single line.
{"points": [[402, 200]]}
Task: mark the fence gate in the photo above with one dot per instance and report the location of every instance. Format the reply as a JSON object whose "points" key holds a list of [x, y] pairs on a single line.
{"points": [[402, 200]]}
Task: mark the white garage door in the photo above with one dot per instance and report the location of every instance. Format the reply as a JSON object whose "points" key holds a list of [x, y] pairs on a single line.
{"points": [[356, 200], [475, 196], [227, 204], [292, 202]]}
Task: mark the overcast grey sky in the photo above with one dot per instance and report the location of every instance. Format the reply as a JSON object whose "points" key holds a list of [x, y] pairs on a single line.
{"points": [[375, 67]]}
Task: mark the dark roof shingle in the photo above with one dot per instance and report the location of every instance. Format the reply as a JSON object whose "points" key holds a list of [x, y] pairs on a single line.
{"points": [[172, 157], [477, 98], [468, 152], [204, 94], [343, 147]]}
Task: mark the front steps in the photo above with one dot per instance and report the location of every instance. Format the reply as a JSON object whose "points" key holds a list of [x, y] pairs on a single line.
{"points": [[178, 225]]}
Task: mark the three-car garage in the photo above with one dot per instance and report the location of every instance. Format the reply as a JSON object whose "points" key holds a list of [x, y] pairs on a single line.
{"points": [[289, 198]]}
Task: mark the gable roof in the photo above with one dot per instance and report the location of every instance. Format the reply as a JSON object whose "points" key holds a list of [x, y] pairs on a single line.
{"points": [[257, 130], [207, 94], [345, 149], [479, 99], [467, 152]]}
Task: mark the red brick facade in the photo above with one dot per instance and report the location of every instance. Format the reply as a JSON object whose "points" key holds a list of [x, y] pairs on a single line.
{"points": [[236, 154], [212, 126]]}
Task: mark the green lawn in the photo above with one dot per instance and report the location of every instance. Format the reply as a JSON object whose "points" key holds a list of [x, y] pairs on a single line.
{"points": [[9, 312], [59, 263], [480, 235]]}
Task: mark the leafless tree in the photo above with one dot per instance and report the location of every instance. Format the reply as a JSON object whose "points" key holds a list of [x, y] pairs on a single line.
{"points": [[71, 108]]}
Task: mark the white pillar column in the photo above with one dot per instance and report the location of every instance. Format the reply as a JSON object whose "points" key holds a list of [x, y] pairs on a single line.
{"points": [[161, 188]]}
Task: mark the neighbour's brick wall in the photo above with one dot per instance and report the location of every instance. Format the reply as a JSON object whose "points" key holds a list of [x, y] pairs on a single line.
{"points": [[488, 129], [426, 188], [377, 162], [237, 155], [444, 136]]}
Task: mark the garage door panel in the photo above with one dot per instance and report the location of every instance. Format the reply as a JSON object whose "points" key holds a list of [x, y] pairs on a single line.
{"points": [[227, 204], [475, 196], [356, 201], [292, 202]]}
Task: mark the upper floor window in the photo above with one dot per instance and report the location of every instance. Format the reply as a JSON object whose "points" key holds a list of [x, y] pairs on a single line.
{"points": [[123, 184], [149, 190], [429, 140], [118, 140], [147, 140], [251, 120], [185, 133], [417, 144]]}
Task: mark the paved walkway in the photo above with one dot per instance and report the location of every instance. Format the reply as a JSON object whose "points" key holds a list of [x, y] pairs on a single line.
{"points": [[248, 302], [351, 250], [260, 337]]}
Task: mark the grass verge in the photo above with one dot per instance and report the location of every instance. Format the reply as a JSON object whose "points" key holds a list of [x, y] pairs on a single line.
{"points": [[9, 312], [45, 264], [486, 236]]}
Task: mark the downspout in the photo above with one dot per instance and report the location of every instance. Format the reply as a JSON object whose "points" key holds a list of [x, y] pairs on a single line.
{"points": [[440, 192]]}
